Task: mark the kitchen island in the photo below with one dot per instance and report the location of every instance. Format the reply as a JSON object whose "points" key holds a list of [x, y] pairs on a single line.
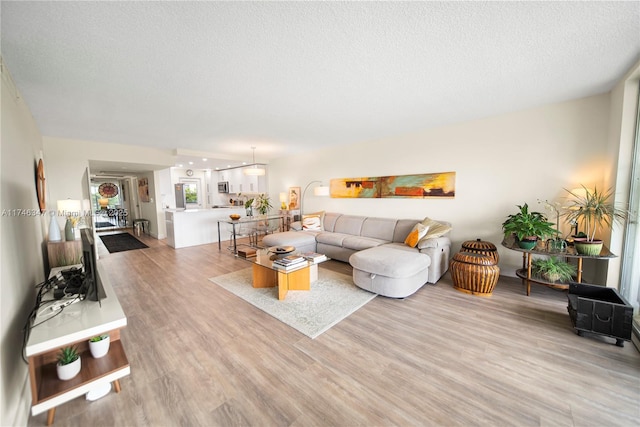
{"points": [[192, 227]]}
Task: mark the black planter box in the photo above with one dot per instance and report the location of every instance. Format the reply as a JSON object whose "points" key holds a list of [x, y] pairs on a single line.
{"points": [[600, 310]]}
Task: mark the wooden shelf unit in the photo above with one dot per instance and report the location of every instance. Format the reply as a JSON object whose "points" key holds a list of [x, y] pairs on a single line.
{"points": [[525, 272], [74, 326]]}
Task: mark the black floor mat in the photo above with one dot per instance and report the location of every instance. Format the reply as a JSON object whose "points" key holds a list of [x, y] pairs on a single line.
{"points": [[121, 242]]}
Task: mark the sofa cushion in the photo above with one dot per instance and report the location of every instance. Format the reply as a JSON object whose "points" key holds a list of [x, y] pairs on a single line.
{"points": [[334, 239], [403, 227], [330, 219], [359, 243], [390, 262], [349, 224], [436, 229], [418, 232], [313, 221], [379, 228]]}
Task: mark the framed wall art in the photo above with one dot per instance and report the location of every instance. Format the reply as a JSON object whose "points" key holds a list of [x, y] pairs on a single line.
{"points": [[143, 190], [294, 198], [422, 186]]}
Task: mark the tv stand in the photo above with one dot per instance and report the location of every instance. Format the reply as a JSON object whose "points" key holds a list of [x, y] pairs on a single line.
{"points": [[74, 326]]}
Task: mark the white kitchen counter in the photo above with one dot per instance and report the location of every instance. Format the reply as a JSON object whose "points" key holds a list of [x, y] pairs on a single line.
{"points": [[194, 227]]}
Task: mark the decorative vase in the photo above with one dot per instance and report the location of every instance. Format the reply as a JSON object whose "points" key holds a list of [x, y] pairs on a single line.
{"points": [[68, 371], [99, 348], [591, 248], [556, 245], [69, 232], [54, 229], [249, 212]]}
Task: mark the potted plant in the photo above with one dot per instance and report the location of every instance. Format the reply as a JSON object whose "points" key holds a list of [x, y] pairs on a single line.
{"points": [[68, 363], [99, 345], [262, 204], [594, 209], [527, 227], [247, 206], [553, 269]]}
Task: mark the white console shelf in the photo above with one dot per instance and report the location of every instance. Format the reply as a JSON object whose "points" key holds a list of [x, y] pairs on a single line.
{"points": [[74, 326]]}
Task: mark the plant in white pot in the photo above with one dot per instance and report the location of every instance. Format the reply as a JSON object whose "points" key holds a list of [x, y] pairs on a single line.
{"points": [[99, 345], [69, 363], [594, 209]]}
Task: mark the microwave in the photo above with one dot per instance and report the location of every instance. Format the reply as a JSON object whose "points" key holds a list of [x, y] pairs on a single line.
{"points": [[223, 186]]}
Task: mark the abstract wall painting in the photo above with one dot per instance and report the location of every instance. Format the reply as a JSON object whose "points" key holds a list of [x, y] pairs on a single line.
{"points": [[423, 186]]}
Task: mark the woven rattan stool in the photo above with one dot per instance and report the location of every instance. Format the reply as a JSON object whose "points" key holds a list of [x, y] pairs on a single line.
{"points": [[474, 273]]}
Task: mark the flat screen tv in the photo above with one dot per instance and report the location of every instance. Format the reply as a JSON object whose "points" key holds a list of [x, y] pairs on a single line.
{"points": [[93, 289]]}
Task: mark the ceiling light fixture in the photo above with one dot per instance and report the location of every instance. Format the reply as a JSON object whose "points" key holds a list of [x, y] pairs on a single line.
{"points": [[255, 170]]}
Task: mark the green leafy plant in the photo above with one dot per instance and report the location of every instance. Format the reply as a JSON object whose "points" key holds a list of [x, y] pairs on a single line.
{"points": [[594, 209], [248, 203], [553, 269], [68, 355], [99, 338], [262, 204], [528, 225]]}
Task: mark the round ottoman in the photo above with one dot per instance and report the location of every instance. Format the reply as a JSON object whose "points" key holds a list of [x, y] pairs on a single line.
{"points": [[474, 273]]}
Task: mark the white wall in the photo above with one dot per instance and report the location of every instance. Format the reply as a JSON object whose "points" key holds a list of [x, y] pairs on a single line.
{"points": [[22, 244], [68, 159], [500, 162]]}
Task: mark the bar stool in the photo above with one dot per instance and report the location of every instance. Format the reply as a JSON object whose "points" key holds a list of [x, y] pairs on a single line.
{"points": [[139, 225]]}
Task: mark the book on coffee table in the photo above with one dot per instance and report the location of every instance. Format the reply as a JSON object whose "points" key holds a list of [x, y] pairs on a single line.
{"points": [[314, 257], [290, 259]]}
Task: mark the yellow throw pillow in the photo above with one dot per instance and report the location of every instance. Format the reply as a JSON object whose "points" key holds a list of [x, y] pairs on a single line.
{"points": [[436, 229], [417, 233], [313, 221]]}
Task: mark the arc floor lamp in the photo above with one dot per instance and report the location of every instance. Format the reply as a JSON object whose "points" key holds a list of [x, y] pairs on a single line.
{"points": [[321, 190]]}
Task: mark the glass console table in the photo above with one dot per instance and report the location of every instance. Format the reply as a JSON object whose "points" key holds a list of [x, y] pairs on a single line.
{"points": [[236, 223], [525, 272]]}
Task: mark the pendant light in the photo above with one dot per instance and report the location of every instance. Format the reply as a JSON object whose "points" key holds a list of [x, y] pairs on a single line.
{"points": [[254, 170]]}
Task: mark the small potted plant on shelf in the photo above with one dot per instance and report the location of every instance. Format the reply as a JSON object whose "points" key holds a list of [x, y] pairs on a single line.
{"points": [[69, 363], [553, 269], [527, 227], [594, 209], [99, 345]]}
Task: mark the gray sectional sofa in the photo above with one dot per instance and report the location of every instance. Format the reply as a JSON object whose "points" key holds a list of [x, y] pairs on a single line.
{"points": [[375, 248]]}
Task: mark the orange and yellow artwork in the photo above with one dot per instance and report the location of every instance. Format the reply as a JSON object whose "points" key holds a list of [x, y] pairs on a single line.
{"points": [[441, 184]]}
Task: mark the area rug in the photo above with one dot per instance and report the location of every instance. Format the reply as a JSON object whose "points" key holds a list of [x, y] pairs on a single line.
{"points": [[103, 224], [332, 298], [121, 242]]}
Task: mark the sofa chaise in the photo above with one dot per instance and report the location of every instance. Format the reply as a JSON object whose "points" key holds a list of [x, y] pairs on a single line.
{"points": [[376, 248]]}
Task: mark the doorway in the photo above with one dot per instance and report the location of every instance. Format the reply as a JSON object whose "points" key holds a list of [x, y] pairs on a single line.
{"points": [[110, 200]]}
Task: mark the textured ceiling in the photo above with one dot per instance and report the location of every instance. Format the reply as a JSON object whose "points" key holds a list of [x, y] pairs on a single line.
{"points": [[221, 77]]}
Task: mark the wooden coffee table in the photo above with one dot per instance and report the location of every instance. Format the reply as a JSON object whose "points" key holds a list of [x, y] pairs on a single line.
{"points": [[265, 275]]}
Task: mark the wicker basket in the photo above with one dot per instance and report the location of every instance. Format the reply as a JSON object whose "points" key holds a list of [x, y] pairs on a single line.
{"points": [[474, 273], [480, 247]]}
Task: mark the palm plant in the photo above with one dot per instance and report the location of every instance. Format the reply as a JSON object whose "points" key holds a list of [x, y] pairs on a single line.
{"points": [[594, 209]]}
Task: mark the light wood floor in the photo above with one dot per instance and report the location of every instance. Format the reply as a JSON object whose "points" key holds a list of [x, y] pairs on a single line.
{"points": [[202, 356]]}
